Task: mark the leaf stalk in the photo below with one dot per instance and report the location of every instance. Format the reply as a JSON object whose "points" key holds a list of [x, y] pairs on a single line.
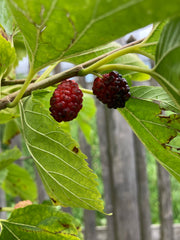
{"points": [[124, 67], [109, 58], [22, 90]]}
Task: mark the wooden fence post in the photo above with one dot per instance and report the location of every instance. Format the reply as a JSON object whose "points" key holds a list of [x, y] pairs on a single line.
{"points": [[89, 216], [126, 204], [165, 204], [118, 164], [142, 189], [107, 169]]}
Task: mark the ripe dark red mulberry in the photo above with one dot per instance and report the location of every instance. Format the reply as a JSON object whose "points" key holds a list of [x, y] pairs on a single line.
{"points": [[112, 89], [66, 101]]}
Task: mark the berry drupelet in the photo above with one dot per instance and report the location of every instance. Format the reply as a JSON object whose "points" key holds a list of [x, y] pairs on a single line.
{"points": [[66, 101], [112, 90]]}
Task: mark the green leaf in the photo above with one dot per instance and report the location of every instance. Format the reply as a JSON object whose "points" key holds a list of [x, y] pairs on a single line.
{"points": [[7, 53], [6, 18], [167, 67], [60, 163], [19, 46], [40, 222], [3, 175], [149, 45], [175, 143], [155, 94], [54, 29], [19, 183], [86, 115], [8, 114], [11, 129], [155, 131], [92, 53], [9, 156]]}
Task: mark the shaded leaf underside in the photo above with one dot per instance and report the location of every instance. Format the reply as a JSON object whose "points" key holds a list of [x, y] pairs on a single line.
{"points": [[42, 21], [65, 174]]}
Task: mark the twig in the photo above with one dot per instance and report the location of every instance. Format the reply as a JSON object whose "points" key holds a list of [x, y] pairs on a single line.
{"points": [[13, 82], [6, 209]]}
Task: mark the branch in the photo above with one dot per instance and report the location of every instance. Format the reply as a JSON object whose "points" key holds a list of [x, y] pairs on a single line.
{"points": [[14, 82], [59, 77], [40, 85]]}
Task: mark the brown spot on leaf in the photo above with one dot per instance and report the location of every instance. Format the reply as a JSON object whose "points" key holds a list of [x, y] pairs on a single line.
{"points": [[75, 149], [3, 34], [65, 225], [165, 144], [54, 201], [171, 138]]}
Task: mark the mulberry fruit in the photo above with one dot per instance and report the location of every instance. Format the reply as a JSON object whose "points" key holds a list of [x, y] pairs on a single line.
{"points": [[66, 101], [112, 90]]}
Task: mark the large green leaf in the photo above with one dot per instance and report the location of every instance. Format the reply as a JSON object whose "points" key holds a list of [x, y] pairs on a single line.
{"points": [[9, 156], [67, 178], [40, 222], [92, 53], [167, 66], [57, 29], [18, 182], [155, 131]]}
